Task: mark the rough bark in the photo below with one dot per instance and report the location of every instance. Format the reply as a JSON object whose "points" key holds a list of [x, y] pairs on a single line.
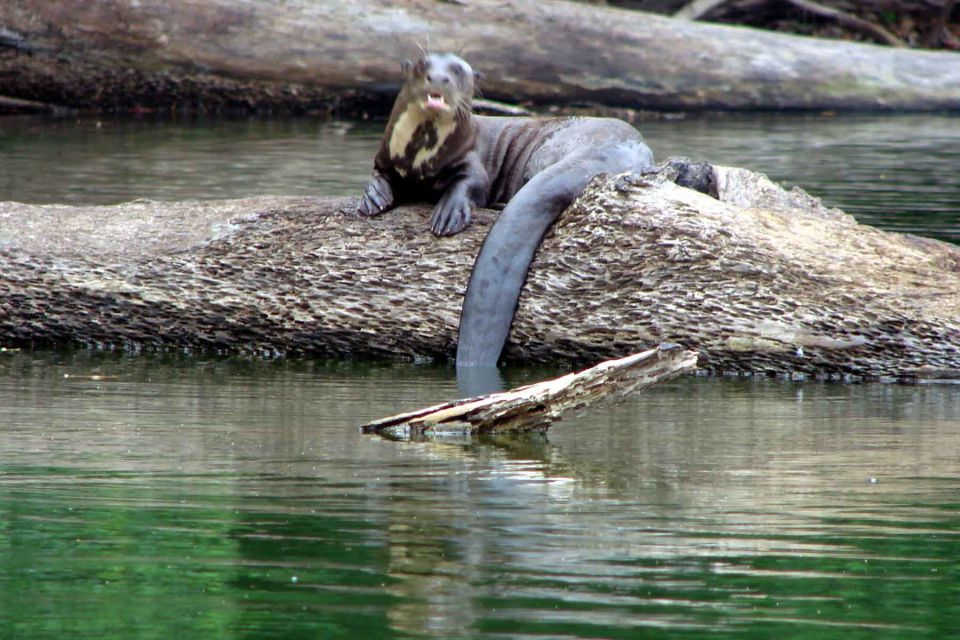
{"points": [[207, 55], [536, 406], [761, 280]]}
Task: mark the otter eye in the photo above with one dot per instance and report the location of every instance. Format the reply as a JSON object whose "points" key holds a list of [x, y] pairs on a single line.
{"points": [[421, 67], [458, 70]]}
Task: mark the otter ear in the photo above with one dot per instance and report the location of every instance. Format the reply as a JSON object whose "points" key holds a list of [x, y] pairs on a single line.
{"points": [[405, 66], [478, 75]]}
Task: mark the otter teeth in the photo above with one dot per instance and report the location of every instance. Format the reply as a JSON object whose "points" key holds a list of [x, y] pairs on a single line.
{"points": [[436, 102]]}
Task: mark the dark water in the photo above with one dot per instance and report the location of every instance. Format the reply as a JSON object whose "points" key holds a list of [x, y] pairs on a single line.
{"points": [[898, 172], [190, 498]]}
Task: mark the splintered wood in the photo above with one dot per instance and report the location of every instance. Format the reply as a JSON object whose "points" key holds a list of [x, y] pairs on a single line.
{"points": [[535, 407]]}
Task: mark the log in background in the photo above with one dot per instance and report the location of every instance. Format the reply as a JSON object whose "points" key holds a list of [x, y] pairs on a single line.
{"points": [[210, 55]]}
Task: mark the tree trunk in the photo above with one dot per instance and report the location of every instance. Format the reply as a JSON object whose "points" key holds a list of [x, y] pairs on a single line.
{"points": [[208, 55], [761, 280]]}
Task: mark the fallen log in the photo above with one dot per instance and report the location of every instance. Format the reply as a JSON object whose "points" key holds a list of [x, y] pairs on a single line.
{"points": [[917, 23], [535, 407], [700, 8], [214, 55], [757, 279]]}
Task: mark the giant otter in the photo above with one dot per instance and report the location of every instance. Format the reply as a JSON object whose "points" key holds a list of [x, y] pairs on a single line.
{"points": [[435, 149]]}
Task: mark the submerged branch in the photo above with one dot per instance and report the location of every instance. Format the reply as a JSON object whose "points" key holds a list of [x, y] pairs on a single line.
{"points": [[17, 105], [537, 406]]}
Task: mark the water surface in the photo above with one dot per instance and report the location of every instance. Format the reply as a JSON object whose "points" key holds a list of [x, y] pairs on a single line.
{"points": [[173, 497], [898, 172]]}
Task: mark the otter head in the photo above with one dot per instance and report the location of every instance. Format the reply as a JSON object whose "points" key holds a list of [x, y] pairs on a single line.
{"points": [[440, 84], [428, 127]]}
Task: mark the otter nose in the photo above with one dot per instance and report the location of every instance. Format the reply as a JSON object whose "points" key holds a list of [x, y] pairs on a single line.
{"points": [[434, 78]]}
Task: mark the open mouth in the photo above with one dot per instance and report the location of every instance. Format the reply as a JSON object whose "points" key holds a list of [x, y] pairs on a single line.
{"points": [[435, 102]]}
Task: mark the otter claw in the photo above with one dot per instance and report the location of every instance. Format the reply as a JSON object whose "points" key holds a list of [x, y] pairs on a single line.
{"points": [[368, 207], [377, 197], [450, 218]]}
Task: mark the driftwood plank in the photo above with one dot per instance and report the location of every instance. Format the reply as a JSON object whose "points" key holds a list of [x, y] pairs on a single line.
{"points": [[537, 406]]}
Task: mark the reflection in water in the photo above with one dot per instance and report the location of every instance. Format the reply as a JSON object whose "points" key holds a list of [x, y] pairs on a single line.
{"points": [[176, 497], [227, 498], [479, 381], [893, 171]]}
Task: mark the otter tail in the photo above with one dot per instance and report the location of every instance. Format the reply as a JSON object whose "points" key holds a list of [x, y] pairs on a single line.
{"points": [[501, 266], [500, 269]]}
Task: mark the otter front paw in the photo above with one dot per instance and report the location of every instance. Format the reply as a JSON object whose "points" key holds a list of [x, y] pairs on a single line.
{"points": [[452, 215], [377, 197]]}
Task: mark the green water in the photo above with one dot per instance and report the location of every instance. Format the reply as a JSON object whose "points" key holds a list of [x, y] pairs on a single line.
{"points": [[177, 497], [162, 497]]}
